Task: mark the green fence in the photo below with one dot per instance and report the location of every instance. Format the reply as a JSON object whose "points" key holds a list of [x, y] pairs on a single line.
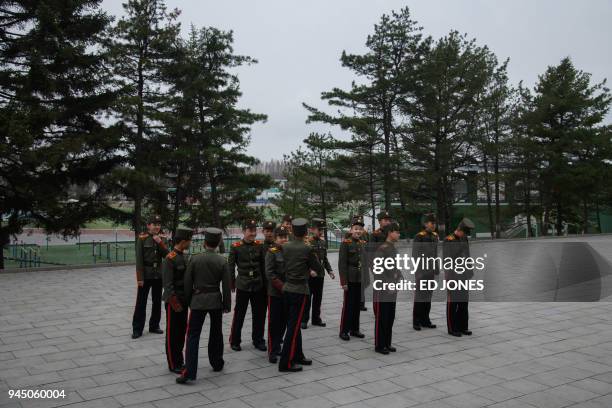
{"points": [[97, 252]]}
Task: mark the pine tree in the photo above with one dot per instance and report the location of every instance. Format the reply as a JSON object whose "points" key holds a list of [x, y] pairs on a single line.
{"points": [[55, 90], [207, 133], [310, 170], [567, 110], [141, 43], [444, 112], [385, 73]]}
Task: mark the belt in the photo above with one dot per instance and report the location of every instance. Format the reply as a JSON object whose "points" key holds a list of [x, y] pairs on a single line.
{"points": [[206, 290]]}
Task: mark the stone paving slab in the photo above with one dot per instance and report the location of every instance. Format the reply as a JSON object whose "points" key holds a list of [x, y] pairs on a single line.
{"points": [[70, 330]]}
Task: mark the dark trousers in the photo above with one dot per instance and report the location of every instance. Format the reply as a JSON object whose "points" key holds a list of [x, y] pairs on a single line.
{"points": [[277, 323], [362, 297], [215, 341], [421, 307], [258, 312], [457, 311], [349, 321], [295, 303], [176, 327], [384, 313], [140, 310], [313, 300]]}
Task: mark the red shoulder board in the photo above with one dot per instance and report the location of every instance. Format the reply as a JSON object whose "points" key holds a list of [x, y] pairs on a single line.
{"points": [[171, 255], [422, 233], [450, 238], [257, 242], [273, 249], [435, 234], [237, 244], [347, 241]]}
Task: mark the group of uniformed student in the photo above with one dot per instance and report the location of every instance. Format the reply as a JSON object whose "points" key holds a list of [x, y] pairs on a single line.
{"points": [[281, 277]]}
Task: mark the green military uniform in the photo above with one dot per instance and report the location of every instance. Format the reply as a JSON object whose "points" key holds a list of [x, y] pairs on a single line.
{"points": [[457, 300], [275, 276], [351, 265], [248, 259], [385, 300], [300, 259], [315, 283], [149, 256], [425, 245], [173, 272], [206, 273], [379, 236]]}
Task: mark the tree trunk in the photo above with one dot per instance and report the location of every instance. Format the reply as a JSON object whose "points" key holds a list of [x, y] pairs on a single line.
{"points": [[527, 198], [387, 164], [585, 215], [497, 204], [214, 200], [488, 191], [400, 190], [371, 184], [559, 221], [323, 200], [2, 243], [137, 217], [177, 202], [598, 216]]}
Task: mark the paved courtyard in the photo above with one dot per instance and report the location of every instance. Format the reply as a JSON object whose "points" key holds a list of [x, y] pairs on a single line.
{"points": [[70, 330]]}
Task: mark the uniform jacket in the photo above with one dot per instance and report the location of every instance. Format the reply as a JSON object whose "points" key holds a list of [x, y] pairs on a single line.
{"points": [[425, 245], [378, 236], [455, 247], [174, 266], [392, 275], [275, 270], [205, 272], [149, 256], [300, 258], [248, 259], [321, 250], [351, 260]]}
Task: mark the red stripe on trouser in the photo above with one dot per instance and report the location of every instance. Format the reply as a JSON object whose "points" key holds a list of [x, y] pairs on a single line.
{"points": [[343, 309], [269, 328], [168, 347], [184, 372], [232, 328], [377, 330], [295, 333], [449, 321]]}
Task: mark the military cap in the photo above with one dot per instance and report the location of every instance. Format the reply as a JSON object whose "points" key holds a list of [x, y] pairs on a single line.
{"points": [[287, 218], [383, 215], [317, 223], [300, 226], [154, 219], [393, 226], [429, 217], [357, 220], [281, 231], [249, 223], [466, 225], [183, 234], [269, 225], [212, 236]]}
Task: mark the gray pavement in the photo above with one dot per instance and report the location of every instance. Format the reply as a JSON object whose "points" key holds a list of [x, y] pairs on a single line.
{"points": [[70, 330]]}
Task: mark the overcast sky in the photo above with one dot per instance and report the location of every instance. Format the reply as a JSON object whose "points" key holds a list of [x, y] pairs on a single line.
{"points": [[298, 45]]}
